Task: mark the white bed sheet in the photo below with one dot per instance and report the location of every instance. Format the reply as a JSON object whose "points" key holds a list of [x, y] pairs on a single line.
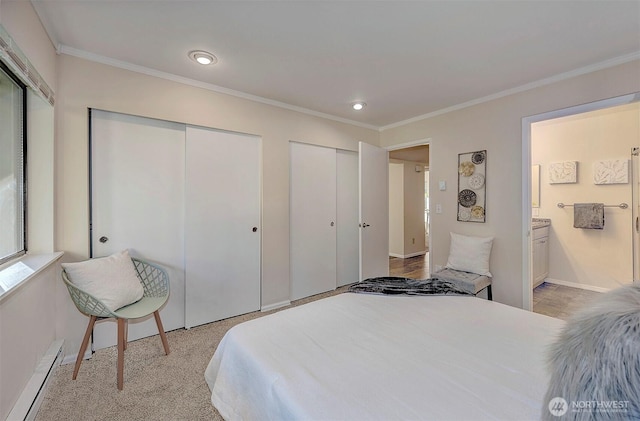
{"points": [[367, 357]]}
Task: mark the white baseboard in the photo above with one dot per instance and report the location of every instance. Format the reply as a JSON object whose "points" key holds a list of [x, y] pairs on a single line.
{"points": [[575, 285], [406, 256], [71, 359], [275, 306], [28, 404]]}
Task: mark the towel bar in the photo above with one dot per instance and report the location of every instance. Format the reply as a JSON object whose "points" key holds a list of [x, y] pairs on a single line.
{"points": [[621, 205]]}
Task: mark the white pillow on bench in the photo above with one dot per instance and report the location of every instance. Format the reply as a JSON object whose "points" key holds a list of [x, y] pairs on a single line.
{"points": [[470, 254]]}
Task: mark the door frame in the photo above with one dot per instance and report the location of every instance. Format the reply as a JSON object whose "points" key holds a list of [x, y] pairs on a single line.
{"points": [[527, 269], [410, 144]]}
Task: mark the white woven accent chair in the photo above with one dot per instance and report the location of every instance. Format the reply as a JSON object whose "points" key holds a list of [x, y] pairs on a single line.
{"points": [[155, 282]]}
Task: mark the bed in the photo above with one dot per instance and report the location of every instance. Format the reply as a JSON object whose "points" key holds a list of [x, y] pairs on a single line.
{"points": [[366, 357]]}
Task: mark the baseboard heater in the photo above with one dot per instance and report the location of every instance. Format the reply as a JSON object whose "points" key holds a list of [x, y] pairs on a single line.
{"points": [[26, 408]]}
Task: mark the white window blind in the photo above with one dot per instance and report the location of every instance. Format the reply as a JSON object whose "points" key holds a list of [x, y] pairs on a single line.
{"points": [[15, 59]]}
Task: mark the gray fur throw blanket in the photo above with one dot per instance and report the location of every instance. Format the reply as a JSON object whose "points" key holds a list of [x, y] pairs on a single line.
{"points": [[396, 285], [595, 363]]}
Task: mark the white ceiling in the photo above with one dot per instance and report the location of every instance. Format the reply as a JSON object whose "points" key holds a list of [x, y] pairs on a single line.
{"points": [[404, 59]]}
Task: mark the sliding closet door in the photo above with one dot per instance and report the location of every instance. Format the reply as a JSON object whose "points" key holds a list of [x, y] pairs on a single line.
{"points": [[374, 211], [222, 225], [347, 217], [312, 220], [137, 196]]}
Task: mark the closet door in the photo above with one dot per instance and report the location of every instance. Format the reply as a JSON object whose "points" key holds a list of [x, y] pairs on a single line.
{"points": [[347, 217], [312, 220], [137, 196], [222, 225]]}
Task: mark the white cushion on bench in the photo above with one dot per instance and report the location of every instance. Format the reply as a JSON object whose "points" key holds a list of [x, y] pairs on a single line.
{"points": [[470, 282]]}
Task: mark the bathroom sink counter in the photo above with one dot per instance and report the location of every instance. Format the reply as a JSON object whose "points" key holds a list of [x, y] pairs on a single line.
{"points": [[540, 223]]}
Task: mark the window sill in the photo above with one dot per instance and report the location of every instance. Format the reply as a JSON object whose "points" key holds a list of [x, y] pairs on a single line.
{"points": [[15, 274]]}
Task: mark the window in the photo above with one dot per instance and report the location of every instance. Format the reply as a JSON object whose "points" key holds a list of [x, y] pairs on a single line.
{"points": [[12, 165]]}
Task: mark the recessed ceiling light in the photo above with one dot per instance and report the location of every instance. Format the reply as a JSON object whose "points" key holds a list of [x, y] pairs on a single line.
{"points": [[359, 105], [203, 57]]}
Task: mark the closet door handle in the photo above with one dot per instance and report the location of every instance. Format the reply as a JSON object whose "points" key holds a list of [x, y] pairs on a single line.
{"points": [[637, 227]]}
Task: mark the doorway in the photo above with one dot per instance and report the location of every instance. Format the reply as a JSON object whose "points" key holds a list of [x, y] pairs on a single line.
{"points": [[583, 139], [409, 208]]}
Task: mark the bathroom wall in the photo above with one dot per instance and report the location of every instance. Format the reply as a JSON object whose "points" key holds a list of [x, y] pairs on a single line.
{"points": [[587, 258]]}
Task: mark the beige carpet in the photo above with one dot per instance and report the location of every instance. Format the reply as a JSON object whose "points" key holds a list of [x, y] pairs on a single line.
{"points": [[156, 386]]}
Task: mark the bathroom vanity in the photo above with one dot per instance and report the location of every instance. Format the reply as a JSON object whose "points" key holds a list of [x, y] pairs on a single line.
{"points": [[540, 249]]}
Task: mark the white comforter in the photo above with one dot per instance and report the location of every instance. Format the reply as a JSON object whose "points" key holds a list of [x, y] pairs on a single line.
{"points": [[366, 357]]}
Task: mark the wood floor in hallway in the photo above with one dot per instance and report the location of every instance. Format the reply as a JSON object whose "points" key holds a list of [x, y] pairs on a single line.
{"points": [[412, 267], [550, 299]]}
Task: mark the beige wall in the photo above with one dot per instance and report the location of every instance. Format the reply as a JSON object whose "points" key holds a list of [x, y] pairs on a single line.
{"points": [[497, 127], [84, 84], [28, 315], [596, 258], [27, 329]]}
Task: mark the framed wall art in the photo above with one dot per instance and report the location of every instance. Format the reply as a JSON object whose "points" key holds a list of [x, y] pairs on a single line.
{"points": [[472, 172], [612, 171], [565, 172]]}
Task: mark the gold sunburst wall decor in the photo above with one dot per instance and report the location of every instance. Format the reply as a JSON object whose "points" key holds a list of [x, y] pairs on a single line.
{"points": [[472, 176]]}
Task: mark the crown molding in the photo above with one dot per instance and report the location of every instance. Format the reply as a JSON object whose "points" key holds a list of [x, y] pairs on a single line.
{"points": [[64, 49], [411, 144], [532, 85]]}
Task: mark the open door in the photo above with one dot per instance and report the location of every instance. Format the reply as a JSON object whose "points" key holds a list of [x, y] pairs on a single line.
{"points": [[374, 211]]}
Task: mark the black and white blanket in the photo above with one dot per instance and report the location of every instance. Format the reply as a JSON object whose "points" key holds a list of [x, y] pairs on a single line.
{"points": [[391, 285]]}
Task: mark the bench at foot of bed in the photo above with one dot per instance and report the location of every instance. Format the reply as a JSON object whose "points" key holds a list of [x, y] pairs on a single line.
{"points": [[470, 282]]}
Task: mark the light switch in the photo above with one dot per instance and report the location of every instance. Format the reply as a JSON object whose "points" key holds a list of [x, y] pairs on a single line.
{"points": [[438, 208], [442, 185]]}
